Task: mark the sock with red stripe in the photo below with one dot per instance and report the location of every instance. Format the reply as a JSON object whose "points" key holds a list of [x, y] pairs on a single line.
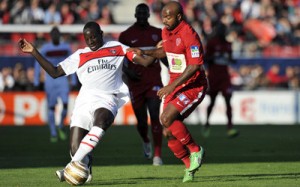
{"points": [[88, 143], [181, 133]]}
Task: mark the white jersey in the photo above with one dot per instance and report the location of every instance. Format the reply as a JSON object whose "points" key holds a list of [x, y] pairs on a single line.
{"points": [[100, 75], [99, 70]]}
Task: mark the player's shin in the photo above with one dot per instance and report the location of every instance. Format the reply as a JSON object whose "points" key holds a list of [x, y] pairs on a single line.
{"points": [[88, 143]]}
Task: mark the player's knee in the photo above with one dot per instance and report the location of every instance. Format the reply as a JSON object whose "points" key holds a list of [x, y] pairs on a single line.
{"points": [[165, 120], [168, 134], [103, 124]]}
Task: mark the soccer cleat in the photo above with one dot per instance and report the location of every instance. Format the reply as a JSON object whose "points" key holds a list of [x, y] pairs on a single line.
{"points": [[232, 133], [62, 135], [206, 132], [147, 148], [157, 161], [196, 159], [90, 177], [188, 176], [53, 139], [60, 175]]}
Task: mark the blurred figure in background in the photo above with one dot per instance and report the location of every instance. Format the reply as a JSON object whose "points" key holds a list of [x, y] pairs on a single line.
{"points": [[7, 81], [55, 51], [275, 79], [144, 82], [218, 58]]}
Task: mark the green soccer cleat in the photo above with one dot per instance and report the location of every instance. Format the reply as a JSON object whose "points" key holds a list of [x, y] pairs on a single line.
{"points": [[53, 139], [196, 159], [206, 132], [188, 176], [62, 135], [232, 133]]}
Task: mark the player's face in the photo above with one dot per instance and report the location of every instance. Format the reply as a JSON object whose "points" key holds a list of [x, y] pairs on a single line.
{"points": [[142, 14], [170, 19], [93, 39], [55, 35]]}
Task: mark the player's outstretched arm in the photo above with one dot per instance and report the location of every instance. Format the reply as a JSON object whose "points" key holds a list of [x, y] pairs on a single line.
{"points": [[53, 71], [143, 60]]}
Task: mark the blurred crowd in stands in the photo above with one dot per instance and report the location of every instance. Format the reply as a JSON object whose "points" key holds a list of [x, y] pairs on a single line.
{"points": [[246, 77], [253, 26], [256, 28]]}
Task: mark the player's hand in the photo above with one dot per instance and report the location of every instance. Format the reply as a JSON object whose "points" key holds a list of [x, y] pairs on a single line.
{"points": [[135, 50], [160, 44], [25, 46], [165, 91]]}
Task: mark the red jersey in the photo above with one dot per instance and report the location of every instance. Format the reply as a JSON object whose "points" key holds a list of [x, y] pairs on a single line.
{"points": [[183, 47], [144, 38]]}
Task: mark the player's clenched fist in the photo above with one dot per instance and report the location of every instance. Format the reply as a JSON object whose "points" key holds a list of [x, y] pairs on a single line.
{"points": [[25, 46]]}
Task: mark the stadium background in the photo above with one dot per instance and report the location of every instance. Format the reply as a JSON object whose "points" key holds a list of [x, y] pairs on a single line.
{"points": [[276, 43]]}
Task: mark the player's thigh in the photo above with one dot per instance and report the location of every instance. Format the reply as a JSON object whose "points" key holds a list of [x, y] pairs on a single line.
{"points": [[153, 105], [103, 118]]}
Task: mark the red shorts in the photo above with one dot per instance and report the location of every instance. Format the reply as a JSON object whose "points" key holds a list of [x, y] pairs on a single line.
{"points": [[186, 99]]}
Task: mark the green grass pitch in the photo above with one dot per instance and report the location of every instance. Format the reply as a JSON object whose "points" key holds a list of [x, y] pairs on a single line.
{"points": [[262, 156]]}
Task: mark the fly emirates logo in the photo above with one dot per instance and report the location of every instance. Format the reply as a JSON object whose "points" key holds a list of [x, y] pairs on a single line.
{"points": [[102, 64]]}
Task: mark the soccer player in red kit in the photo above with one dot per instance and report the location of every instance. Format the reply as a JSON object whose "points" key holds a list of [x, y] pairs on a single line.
{"points": [[186, 89], [144, 82], [218, 57]]}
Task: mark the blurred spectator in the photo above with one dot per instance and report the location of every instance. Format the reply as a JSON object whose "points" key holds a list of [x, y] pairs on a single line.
{"points": [[20, 76], [82, 11], [16, 11], [275, 79], [106, 16], [6, 79], [94, 12], [293, 74], [33, 14], [30, 79], [52, 15], [66, 14], [4, 12]]}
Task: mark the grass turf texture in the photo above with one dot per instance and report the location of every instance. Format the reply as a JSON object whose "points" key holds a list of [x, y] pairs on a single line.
{"points": [[261, 156]]}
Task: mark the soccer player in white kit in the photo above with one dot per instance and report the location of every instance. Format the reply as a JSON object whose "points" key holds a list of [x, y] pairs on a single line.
{"points": [[103, 92]]}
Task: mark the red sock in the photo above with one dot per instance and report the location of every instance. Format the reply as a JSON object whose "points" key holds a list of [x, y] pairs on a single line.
{"points": [[156, 129], [179, 151], [186, 161], [181, 133]]}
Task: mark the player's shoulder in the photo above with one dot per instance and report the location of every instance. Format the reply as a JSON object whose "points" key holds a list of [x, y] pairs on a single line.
{"points": [[112, 43], [155, 28]]}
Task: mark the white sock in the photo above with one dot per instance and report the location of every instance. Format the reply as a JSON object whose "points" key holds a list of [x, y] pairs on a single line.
{"points": [[88, 143]]}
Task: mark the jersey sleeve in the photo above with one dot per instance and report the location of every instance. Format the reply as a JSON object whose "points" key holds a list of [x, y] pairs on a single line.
{"points": [[70, 64], [194, 48]]}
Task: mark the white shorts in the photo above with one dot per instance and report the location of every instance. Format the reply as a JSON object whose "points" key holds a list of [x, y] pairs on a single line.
{"points": [[87, 103]]}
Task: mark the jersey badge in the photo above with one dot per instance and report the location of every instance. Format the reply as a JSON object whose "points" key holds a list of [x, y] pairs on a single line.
{"points": [[178, 41], [113, 51], [183, 99], [195, 51], [154, 37]]}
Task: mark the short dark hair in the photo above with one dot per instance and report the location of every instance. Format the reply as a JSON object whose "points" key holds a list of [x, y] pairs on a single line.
{"points": [[142, 5], [92, 25]]}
